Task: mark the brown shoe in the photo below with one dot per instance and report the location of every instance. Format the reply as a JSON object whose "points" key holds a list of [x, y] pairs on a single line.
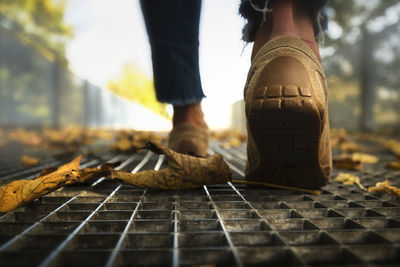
{"points": [[189, 139], [287, 116]]}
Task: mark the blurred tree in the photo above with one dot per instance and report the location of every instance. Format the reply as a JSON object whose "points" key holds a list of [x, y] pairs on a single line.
{"points": [[27, 77], [134, 85], [363, 43], [39, 23]]}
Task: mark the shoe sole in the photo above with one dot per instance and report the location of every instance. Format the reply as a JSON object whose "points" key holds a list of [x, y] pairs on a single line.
{"points": [[287, 132]]}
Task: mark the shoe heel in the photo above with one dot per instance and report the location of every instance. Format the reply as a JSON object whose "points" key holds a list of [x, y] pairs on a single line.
{"points": [[287, 131]]}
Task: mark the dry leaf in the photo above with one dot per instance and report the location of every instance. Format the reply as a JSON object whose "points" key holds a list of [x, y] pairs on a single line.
{"points": [[20, 192], [122, 144], [347, 162], [130, 141], [87, 173], [394, 165], [349, 179], [182, 172], [350, 147], [91, 173], [364, 158], [231, 143], [341, 140], [338, 136], [394, 146], [29, 161], [385, 187], [26, 137], [229, 138]]}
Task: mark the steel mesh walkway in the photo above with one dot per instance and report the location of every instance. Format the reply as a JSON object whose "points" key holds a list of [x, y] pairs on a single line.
{"points": [[111, 224]]}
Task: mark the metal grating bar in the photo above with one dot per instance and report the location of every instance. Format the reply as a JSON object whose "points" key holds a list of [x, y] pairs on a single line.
{"points": [[117, 248], [55, 252], [10, 242], [238, 261], [175, 258], [264, 226]]}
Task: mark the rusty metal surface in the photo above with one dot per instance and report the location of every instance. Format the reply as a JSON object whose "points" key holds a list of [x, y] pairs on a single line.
{"points": [[110, 224]]}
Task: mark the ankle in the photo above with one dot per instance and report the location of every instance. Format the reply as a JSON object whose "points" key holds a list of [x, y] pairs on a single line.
{"points": [[191, 113], [288, 17]]}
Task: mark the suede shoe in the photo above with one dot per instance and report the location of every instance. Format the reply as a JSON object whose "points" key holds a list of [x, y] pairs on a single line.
{"points": [[189, 139], [287, 116]]}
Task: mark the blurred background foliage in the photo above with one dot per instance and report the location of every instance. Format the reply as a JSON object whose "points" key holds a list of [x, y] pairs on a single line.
{"points": [[362, 63], [33, 36], [361, 59], [40, 23], [134, 85]]}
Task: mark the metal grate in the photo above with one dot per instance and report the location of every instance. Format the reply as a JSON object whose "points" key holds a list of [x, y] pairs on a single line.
{"points": [[110, 224]]}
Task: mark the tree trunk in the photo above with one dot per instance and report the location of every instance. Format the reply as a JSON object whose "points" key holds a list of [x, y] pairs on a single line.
{"points": [[367, 81]]}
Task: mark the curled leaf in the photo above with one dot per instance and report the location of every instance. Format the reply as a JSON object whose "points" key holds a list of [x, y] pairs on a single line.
{"points": [[29, 161], [20, 192], [349, 179], [364, 158], [347, 162], [182, 172], [385, 187]]}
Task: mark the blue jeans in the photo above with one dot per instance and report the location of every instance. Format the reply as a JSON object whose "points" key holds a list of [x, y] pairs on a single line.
{"points": [[173, 29]]}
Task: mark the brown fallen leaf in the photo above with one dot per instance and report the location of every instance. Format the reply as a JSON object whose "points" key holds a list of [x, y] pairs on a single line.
{"points": [[231, 143], [131, 140], [338, 136], [350, 147], [87, 173], [91, 173], [385, 187], [394, 146], [29, 161], [349, 179], [393, 165], [182, 172], [229, 138], [364, 158], [26, 137], [346, 162], [18, 193]]}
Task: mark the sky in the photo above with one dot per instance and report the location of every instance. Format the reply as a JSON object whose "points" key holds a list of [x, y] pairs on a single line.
{"points": [[111, 33]]}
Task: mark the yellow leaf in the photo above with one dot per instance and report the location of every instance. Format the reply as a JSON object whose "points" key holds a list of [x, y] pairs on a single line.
{"points": [[29, 161], [130, 141], [364, 158], [349, 179], [91, 173], [20, 192], [385, 187], [350, 147], [394, 146], [347, 162], [182, 172], [394, 165]]}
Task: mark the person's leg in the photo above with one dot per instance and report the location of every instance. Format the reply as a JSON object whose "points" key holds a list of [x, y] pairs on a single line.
{"points": [[287, 17], [286, 95], [173, 29]]}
